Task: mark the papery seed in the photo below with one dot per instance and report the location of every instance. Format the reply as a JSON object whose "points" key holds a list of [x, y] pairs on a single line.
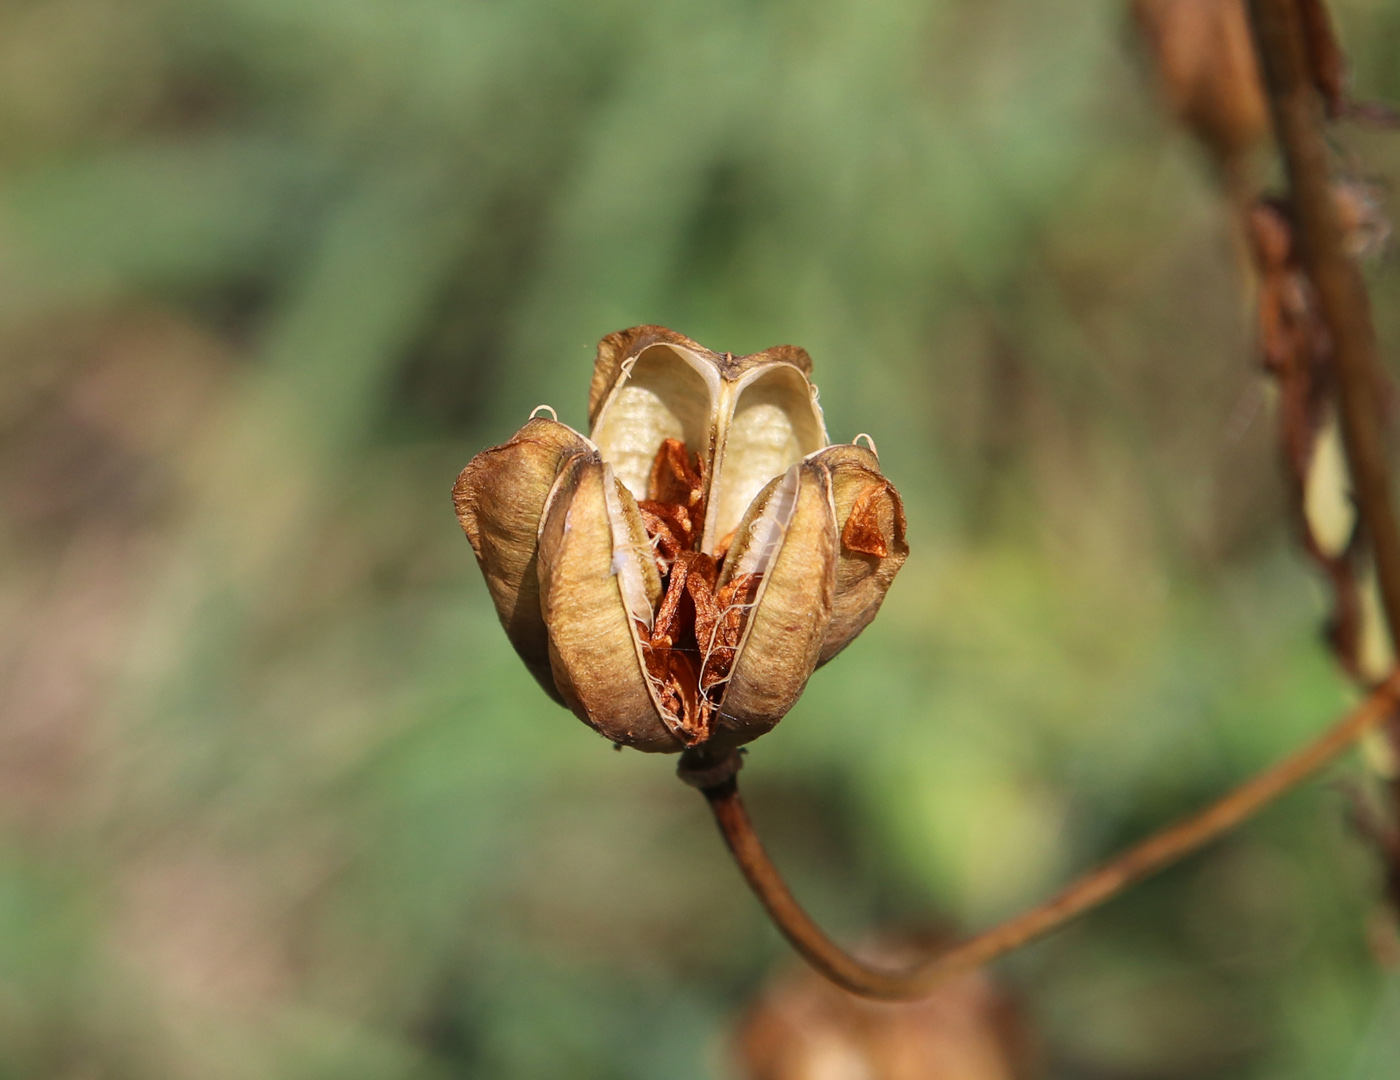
{"points": [[675, 478], [862, 530]]}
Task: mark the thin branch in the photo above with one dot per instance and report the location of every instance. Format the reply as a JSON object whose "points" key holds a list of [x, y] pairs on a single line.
{"points": [[1091, 890], [1341, 294]]}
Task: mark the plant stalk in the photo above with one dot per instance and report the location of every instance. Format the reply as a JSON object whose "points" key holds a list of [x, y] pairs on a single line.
{"points": [[1145, 858]]}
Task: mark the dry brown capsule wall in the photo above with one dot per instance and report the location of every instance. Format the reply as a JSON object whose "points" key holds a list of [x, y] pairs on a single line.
{"points": [[676, 577]]}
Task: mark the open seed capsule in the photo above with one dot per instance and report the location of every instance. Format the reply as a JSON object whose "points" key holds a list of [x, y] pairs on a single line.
{"points": [[676, 577]]}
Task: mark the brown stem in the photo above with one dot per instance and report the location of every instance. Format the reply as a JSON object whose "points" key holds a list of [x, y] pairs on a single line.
{"points": [[1145, 858], [1283, 30], [1341, 294]]}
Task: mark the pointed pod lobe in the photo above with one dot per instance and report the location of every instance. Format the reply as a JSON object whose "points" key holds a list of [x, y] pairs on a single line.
{"points": [[870, 520], [593, 584], [500, 497], [788, 536]]}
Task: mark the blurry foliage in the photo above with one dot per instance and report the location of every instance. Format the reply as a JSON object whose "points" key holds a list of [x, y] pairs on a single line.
{"points": [[276, 798]]}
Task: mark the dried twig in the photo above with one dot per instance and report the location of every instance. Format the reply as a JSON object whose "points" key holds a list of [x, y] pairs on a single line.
{"points": [[1282, 36], [1341, 294], [1159, 850]]}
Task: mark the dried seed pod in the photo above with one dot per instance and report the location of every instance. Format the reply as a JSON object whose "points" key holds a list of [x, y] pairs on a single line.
{"points": [[676, 577]]}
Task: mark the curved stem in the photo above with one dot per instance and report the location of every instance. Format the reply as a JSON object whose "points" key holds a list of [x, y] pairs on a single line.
{"points": [[1139, 861]]}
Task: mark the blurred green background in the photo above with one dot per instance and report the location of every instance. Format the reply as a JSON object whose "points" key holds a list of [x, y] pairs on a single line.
{"points": [[276, 797]]}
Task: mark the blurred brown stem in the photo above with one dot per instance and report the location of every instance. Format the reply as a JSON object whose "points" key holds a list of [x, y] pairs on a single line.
{"points": [[1298, 112], [1283, 31], [1091, 890]]}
